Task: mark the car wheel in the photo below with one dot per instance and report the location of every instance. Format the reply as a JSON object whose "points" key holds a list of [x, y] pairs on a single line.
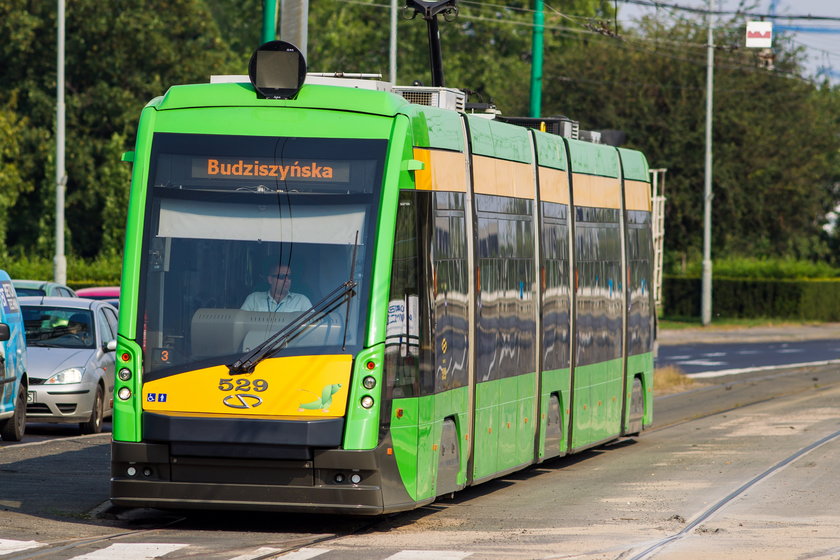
{"points": [[94, 425], [13, 428]]}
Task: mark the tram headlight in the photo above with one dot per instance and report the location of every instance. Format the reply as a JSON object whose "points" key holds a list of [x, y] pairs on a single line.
{"points": [[124, 374], [369, 382], [355, 478], [124, 393], [367, 401]]}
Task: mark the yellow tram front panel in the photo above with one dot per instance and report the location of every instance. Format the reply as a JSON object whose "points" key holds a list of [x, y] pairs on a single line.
{"points": [[306, 386]]}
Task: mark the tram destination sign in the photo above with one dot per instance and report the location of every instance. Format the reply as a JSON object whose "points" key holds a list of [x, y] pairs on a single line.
{"points": [[297, 170]]}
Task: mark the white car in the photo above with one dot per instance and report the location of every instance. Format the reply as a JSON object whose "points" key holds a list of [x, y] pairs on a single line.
{"points": [[71, 344]]}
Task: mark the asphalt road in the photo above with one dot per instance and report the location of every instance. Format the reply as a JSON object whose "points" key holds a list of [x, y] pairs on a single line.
{"points": [[675, 488], [714, 359]]}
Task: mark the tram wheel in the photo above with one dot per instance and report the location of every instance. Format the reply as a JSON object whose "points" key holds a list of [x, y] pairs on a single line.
{"points": [[637, 409], [449, 459]]}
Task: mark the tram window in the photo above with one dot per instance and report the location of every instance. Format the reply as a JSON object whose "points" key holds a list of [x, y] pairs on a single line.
{"points": [[599, 285], [406, 317]]}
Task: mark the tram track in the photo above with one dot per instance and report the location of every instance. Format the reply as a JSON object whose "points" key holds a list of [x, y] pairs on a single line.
{"points": [[776, 387], [709, 512], [821, 379], [71, 544], [66, 546]]}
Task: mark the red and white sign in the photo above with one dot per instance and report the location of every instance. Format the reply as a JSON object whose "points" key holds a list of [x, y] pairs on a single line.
{"points": [[760, 34]]}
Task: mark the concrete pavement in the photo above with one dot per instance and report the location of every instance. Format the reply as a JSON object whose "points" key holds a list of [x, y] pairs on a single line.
{"points": [[770, 333]]}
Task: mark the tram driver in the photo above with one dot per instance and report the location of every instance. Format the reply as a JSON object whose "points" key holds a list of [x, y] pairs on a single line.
{"points": [[278, 298]]}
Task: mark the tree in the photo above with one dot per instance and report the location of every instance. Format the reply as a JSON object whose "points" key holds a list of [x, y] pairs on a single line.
{"points": [[119, 55], [12, 181], [487, 49], [773, 178]]}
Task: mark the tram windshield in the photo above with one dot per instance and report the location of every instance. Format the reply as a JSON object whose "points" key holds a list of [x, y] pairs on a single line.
{"points": [[243, 235]]}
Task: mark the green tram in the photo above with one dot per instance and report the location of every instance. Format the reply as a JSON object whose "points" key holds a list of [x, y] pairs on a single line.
{"points": [[477, 299]]}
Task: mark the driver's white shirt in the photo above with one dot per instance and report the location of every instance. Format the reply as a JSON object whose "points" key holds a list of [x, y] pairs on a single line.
{"points": [[262, 301]]}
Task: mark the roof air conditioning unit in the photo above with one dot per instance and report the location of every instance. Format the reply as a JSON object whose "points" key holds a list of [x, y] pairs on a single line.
{"points": [[444, 98], [593, 136], [569, 128]]}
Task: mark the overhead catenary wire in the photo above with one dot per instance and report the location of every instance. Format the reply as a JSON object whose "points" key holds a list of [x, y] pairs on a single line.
{"points": [[701, 11], [639, 43]]}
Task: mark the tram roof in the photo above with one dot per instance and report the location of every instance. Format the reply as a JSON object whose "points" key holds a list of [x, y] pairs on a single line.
{"points": [[432, 126], [315, 96]]}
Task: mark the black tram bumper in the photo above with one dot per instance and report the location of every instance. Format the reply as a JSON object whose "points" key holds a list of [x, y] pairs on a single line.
{"points": [[160, 475], [253, 464]]}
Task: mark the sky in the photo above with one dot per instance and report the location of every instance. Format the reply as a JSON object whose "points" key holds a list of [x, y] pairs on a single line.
{"points": [[822, 44]]}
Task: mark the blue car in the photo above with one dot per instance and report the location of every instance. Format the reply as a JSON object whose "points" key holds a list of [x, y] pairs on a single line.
{"points": [[13, 378]]}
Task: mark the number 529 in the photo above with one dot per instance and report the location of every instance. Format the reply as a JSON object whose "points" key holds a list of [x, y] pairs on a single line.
{"points": [[244, 385]]}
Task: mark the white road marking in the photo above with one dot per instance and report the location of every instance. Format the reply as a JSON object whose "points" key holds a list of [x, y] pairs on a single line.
{"points": [[152, 551], [132, 551], [723, 372], [8, 546], [700, 363], [429, 555], [263, 551], [49, 441], [302, 554]]}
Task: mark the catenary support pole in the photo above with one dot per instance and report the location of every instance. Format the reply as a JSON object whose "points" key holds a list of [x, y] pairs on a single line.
{"points": [[294, 23], [269, 26], [392, 76], [537, 59], [60, 261], [706, 300]]}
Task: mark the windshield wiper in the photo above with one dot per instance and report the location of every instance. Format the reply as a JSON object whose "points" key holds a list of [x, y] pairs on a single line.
{"points": [[248, 361]]}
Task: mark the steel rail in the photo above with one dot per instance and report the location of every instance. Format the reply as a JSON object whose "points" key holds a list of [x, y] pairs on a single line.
{"points": [[736, 493]]}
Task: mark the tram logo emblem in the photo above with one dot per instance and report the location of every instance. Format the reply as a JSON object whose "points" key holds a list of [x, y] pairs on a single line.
{"points": [[242, 401]]}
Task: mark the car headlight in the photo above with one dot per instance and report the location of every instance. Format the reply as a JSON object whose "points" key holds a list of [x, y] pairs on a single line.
{"points": [[72, 375]]}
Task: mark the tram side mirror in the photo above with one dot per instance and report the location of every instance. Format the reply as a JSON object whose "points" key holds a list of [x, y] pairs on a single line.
{"points": [[277, 70], [5, 334]]}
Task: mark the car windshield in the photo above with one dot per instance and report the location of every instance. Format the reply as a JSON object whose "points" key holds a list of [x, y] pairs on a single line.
{"points": [[58, 327], [243, 234]]}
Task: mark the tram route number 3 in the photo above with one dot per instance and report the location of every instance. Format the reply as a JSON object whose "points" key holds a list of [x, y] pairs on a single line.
{"points": [[243, 385], [162, 356]]}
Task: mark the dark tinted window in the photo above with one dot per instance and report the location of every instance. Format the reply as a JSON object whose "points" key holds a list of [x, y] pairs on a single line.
{"points": [[216, 223], [21, 292]]}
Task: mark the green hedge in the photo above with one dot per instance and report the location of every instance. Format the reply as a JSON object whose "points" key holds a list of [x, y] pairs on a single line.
{"points": [[763, 269], [811, 300], [104, 271]]}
